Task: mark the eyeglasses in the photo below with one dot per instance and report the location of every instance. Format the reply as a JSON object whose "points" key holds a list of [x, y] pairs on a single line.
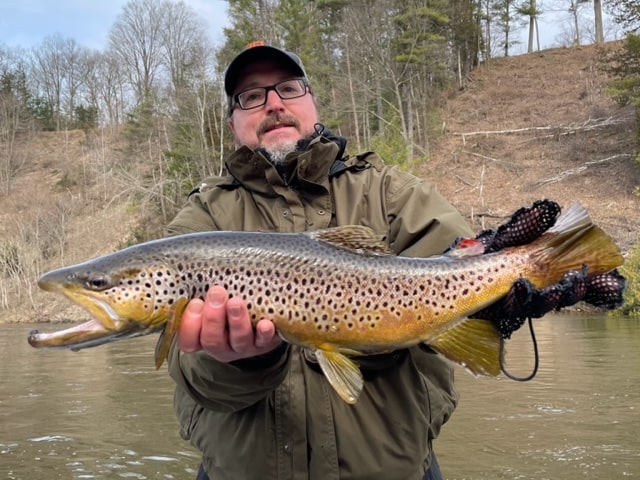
{"points": [[257, 96]]}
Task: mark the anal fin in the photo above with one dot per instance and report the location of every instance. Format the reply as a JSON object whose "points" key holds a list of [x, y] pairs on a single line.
{"points": [[474, 344], [342, 373]]}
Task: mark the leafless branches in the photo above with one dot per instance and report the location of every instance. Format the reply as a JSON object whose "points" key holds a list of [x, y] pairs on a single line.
{"points": [[555, 131], [574, 171]]}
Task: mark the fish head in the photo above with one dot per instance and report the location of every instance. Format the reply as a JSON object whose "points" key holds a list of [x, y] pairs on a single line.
{"points": [[125, 298]]}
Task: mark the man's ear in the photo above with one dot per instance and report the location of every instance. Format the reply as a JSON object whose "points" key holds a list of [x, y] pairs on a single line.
{"points": [[232, 126]]}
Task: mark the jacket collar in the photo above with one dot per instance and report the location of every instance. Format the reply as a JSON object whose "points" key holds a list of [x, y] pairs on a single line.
{"points": [[253, 171]]}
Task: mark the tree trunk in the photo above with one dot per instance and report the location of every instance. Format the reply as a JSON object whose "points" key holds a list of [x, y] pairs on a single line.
{"points": [[597, 11], [354, 107]]}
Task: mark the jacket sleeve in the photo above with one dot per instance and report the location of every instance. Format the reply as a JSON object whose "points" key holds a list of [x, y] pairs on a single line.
{"points": [[423, 223], [205, 381], [225, 386], [193, 217]]}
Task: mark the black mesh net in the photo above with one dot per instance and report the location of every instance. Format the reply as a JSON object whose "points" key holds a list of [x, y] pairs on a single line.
{"points": [[524, 300], [605, 290], [525, 225]]}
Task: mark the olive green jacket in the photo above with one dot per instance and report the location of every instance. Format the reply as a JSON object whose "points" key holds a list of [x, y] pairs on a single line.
{"points": [[276, 417]]}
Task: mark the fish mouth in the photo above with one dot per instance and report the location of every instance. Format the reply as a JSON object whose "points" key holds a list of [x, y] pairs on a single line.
{"points": [[88, 334], [106, 326]]}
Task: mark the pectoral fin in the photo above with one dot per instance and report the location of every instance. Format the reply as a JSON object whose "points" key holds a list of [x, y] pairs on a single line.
{"points": [[342, 373], [474, 344], [170, 330]]}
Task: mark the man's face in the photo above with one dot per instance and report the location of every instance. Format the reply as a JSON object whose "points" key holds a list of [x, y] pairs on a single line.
{"points": [[278, 122]]}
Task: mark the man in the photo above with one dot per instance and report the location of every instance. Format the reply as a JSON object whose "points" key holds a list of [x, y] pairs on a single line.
{"points": [[258, 408]]}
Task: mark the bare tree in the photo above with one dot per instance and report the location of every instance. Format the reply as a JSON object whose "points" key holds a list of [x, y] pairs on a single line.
{"points": [[184, 43], [15, 118], [136, 41], [59, 69], [597, 16], [574, 8]]}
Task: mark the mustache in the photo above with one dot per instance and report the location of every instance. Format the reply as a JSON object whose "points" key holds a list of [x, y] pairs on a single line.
{"points": [[270, 122]]}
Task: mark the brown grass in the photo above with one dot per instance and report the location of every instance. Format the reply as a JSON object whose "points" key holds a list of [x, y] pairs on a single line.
{"points": [[578, 144]]}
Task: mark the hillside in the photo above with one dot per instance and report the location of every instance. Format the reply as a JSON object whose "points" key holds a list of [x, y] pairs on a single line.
{"points": [[524, 128], [551, 132]]}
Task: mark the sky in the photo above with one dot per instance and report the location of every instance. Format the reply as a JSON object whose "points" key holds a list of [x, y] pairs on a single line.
{"points": [[25, 23]]}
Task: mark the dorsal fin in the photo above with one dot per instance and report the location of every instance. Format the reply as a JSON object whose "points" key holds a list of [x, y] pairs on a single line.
{"points": [[354, 237]]}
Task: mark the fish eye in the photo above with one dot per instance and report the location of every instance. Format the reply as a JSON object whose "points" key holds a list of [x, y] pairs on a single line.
{"points": [[98, 281]]}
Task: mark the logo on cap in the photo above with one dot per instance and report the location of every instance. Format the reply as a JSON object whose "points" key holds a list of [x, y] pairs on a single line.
{"points": [[256, 43]]}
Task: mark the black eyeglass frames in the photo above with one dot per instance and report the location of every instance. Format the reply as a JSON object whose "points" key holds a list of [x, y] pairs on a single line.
{"points": [[257, 96]]}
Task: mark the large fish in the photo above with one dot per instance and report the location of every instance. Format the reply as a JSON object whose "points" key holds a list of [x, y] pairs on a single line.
{"points": [[338, 292]]}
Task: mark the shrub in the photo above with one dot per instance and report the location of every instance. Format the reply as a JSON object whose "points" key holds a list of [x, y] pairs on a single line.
{"points": [[631, 271]]}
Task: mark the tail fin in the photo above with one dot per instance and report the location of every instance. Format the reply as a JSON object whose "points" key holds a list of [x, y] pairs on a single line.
{"points": [[572, 243]]}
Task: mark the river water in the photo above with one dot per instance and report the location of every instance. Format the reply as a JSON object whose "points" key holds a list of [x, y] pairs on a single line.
{"points": [[105, 413]]}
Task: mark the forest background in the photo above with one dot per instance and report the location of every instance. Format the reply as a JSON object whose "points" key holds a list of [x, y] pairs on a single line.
{"points": [[99, 149]]}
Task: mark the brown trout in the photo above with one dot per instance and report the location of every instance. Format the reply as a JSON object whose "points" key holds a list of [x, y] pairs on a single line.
{"points": [[338, 292]]}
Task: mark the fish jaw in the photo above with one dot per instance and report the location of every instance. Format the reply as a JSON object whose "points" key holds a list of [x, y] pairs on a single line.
{"points": [[85, 335], [116, 314]]}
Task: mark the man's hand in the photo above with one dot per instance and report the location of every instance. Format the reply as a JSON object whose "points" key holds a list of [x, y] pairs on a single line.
{"points": [[221, 326]]}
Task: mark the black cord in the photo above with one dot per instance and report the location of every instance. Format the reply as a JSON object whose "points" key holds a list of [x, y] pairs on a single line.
{"points": [[535, 352]]}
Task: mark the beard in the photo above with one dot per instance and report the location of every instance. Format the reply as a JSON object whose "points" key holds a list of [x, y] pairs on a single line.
{"points": [[277, 153]]}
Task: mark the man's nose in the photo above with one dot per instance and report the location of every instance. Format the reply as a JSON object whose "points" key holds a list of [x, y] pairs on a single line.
{"points": [[274, 102]]}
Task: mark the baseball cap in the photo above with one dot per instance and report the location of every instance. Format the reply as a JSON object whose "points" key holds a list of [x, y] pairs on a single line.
{"points": [[255, 51]]}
